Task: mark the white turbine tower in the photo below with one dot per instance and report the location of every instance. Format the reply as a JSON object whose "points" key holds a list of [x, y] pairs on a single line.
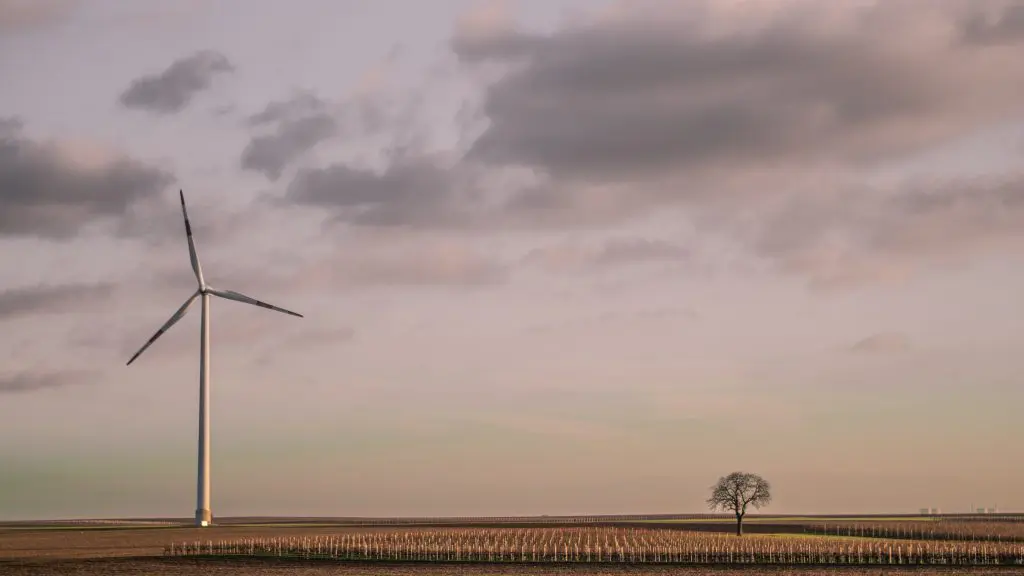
{"points": [[203, 515]]}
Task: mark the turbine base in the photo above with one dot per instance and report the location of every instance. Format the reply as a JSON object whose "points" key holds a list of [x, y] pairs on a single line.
{"points": [[203, 518]]}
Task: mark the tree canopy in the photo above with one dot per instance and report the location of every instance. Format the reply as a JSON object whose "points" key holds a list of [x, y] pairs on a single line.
{"points": [[735, 492]]}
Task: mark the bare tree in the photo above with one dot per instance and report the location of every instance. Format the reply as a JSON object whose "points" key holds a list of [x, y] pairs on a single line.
{"points": [[733, 493]]}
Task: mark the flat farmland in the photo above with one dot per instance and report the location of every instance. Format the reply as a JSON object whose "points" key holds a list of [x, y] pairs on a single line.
{"points": [[164, 567], [90, 548], [100, 541]]}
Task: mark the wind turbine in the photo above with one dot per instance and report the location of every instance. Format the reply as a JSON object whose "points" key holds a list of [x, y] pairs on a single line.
{"points": [[203, 515]]}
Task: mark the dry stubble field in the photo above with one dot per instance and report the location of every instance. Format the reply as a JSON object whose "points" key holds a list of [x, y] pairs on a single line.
{"points": [[137, 550]]}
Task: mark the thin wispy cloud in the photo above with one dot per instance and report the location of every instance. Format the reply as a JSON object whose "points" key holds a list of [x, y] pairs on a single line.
{"points": [[883, 343], [21, 16], [27, 382], [49, 299], [616, 252]]}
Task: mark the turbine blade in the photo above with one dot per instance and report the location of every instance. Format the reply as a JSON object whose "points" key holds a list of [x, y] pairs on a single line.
{"points": [[191, 243], [232, 295], [167, 325]]}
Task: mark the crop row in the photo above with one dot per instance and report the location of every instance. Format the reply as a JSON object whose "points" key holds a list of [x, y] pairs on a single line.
{"points": [[607, 545], [941, 530]]}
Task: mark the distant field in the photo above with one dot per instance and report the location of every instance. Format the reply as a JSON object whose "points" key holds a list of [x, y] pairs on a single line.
{"points": [[512, 520]]}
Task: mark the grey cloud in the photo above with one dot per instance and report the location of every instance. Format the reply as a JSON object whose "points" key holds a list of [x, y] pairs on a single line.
{"points": [[629, 100], [733, 118], [415, 187], [173, 89], [419, 191], [270, 154], [223, 110], [1004, 25], [413, 192], [10, 127], [616, 119], [847, 238], [50, 190], [25, 382], [883, 343], [42, 299], [300, 104], [956, 213], [300, 124]]}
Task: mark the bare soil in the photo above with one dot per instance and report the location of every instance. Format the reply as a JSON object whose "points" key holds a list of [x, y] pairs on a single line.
{"points": [[175, 567], [91, 551], [113, 542]]}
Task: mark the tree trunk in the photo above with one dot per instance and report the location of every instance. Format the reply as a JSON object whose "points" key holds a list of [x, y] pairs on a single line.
{"points": [[739, 525]]}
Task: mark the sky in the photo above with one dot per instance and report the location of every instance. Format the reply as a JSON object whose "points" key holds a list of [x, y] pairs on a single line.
{"points": [[554, 257]]}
